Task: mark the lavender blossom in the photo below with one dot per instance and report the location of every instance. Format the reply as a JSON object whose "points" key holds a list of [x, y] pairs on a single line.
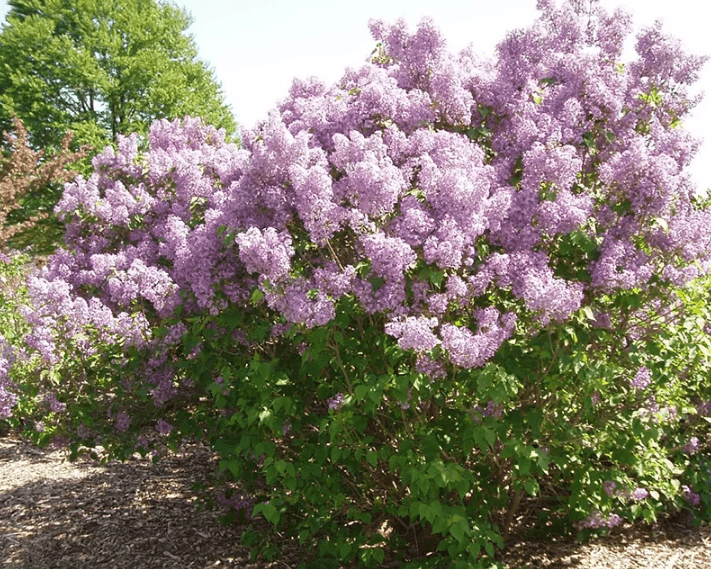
{"points": [[336, 402], [163, 427], [692, 446], [639, 494], [642, 379], [690, 496], [596, 521]]}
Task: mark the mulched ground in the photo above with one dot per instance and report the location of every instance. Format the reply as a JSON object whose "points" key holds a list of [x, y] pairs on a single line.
{"points": [[60, 515]]}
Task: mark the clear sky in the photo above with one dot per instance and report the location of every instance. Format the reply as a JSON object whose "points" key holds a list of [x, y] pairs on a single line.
{"points": [[257, 47]]}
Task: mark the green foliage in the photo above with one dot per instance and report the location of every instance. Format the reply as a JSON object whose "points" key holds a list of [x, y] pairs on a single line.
{"points": [[101, 68], [432, 473], [13, 294], [410, 468]]}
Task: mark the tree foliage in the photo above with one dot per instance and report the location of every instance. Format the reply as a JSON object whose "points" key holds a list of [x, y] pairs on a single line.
{"points": [[101, 68]]}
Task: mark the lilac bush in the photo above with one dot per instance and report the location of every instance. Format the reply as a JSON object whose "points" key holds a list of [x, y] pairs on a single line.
{"points": [[412, 300]]}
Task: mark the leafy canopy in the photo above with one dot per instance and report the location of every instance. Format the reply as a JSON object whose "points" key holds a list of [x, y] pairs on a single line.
{"points": [[101, 68]]}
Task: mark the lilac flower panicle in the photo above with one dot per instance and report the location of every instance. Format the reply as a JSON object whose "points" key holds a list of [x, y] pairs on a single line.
{"points": [[163, 427], [642, 379], [469, 350], [690, 496], [54, 405], [84, 432], [432, 368], [8, 397], [8, 400], [265, 252], [336, 402], [596, 521], [122, 422], [692, 446], [704, 409], [493, 409], [639, 494], [602, 320], [414, 333], [280, 329]]}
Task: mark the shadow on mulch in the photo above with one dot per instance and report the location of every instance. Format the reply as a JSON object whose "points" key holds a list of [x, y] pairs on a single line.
{"points": [[81, 515], [134, 514], [671, 543]]}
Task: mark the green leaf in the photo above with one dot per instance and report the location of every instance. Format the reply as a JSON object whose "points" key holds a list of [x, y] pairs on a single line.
{"points": [[490, 437], [378, 554], [335, 454], [344, 548], [436, 277], [459, 528], [256, 297], [624, 456], [543, 461], [269, 511], [524, 466], [361, 391], [484, 437], [531, 487]]}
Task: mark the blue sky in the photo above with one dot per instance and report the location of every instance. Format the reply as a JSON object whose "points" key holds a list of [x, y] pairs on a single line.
{"points": [[257, 47]]}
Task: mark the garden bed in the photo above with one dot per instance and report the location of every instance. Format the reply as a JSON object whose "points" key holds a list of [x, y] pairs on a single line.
{"points": [[57, 514]]}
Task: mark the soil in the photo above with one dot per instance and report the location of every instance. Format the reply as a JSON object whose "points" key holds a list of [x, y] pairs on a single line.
{"points": [[56, 514]]}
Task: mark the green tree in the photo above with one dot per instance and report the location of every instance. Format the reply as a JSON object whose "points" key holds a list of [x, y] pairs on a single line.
{"points": [[101, 68]]}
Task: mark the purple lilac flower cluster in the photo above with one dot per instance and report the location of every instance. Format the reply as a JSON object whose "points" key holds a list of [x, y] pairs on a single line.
{"points": [[692, 446], [690, 496], [642, 379], [419, 163], [163, 427], [492, 409], [336, 402], [639, 494], [596, 521], [8, 398], [636, 495]]}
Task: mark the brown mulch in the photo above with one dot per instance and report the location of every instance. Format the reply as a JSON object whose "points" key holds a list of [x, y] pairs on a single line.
{"points": [[56, 515]]}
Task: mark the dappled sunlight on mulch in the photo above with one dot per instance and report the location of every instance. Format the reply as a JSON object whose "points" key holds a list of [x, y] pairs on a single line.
{"points": [[57, 515]]}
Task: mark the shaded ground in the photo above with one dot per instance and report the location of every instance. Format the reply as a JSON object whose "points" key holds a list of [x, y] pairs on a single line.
{"points": [[58, 515]]}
